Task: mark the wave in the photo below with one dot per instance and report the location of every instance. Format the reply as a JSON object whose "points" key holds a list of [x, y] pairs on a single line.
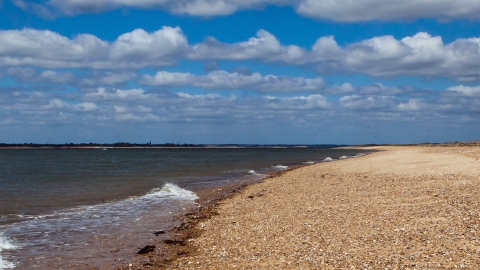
{"points": [[309, 162], [59, 231], [252, 172], [172, 191], [328, 159], [281, 167], [343, 157], [5, 244], [168, 191]]}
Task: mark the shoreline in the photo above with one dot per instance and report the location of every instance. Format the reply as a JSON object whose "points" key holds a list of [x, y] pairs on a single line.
{"points": [[136, 233], [164, 253], [405, 207]]}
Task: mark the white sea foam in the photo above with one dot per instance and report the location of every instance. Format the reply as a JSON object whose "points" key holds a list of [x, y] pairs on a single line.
{"points": [[328, 159], [172, 191], [343, 157], [309, 162], [5, 244], [5, 264], [252, 172], [281, 167]]}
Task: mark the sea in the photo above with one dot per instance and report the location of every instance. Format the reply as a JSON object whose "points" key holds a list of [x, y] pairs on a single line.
{"points": [[93, 208]]}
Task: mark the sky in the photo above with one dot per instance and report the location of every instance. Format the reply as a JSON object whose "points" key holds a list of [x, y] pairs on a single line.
{"points": [[239, 71]]}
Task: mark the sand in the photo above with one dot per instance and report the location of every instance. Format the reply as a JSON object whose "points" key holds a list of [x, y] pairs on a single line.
{"points": [[402, 208]]}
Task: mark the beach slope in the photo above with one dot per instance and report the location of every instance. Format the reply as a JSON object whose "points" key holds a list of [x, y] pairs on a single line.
{"points": [[403, 207]]}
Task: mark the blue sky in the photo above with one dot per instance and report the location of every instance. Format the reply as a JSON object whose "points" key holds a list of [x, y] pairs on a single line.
{"points": [[231, 71]]}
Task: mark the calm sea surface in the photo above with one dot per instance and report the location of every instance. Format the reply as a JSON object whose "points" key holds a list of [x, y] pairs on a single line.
{"points": [[72, 208]]}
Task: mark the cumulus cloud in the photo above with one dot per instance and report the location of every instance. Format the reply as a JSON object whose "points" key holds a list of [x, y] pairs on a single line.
{"points": [[466, 90], [264, 46], [226, 81], [44, 48], [412, 105], [106, 78], [335, 10], [421, 55]]}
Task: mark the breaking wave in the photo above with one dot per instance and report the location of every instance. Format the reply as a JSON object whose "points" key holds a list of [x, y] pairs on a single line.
{"points": [[172, 191], [5, 244]]}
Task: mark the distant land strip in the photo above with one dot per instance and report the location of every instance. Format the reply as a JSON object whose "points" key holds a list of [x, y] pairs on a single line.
{"points": [[164, 145], [185, 145]]}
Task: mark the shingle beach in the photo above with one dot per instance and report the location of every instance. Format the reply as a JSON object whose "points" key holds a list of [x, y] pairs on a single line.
{"points": [[404, 207]]}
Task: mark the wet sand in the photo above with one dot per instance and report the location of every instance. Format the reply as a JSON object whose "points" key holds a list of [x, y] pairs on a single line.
{"points": [[407, 207]]}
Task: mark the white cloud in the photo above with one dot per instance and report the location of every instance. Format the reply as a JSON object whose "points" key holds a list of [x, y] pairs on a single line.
{"points": [[49, 49], [412, 105], [20, 4], [421, 55], [335, 10], [29, 75], [373, 89], [466, 90], [388, 10], [340, 89], [43, 48], [56, 104], [162, 47], [225, 80], [298, 102], [264, 46], [169, 79], [204, 8], [107, 78], [367, 103]]}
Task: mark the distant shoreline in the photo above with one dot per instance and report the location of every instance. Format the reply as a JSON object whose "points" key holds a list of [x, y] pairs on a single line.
{"points": [[213, 146], [163, 146]]}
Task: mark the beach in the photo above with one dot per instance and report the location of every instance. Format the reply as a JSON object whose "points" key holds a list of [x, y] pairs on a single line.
{"points": [[95, 208], [404, 207]]}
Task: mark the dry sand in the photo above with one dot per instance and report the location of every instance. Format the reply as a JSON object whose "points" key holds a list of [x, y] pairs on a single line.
{"points": [[402, 208]]}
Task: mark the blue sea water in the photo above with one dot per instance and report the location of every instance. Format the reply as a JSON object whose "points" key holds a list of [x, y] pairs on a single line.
{"points": [[78, 208]]}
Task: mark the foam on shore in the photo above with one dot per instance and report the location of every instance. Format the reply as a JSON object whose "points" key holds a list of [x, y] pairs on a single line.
{"points": [[5, 244], [172, 191]]}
